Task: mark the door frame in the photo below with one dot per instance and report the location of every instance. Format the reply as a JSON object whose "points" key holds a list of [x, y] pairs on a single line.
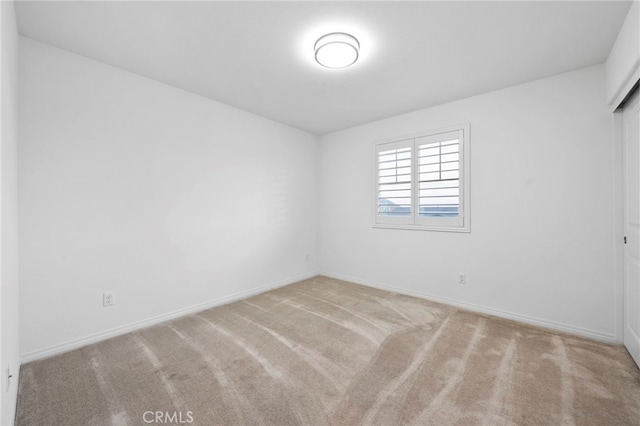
{"points": [[618, 224]]}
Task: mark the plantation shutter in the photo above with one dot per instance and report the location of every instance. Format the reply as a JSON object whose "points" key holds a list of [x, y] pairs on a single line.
{"points": [[394, 176], [439, 178], [422, 181]]}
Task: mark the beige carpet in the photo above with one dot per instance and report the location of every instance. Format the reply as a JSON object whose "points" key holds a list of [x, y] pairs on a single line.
{"points": [[324, 352]]}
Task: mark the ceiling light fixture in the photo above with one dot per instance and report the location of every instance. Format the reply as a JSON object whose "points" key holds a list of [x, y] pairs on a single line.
{"points": [[337, 50]]}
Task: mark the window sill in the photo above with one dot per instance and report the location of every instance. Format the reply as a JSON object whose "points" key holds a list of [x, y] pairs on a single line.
{"points": [[462, 229]]}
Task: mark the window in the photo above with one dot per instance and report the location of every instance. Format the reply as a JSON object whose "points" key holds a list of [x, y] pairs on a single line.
{"points": [[422, 181]]}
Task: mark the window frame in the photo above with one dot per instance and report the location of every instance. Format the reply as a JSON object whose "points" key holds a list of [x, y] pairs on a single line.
{"points": [[414, 221]]}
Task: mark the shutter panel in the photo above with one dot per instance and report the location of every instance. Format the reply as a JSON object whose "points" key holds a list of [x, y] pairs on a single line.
{"points": [[394, 182], [439, 159]]}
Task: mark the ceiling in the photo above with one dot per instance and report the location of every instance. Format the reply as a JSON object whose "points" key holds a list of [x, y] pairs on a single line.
{"points": [[258, 56]]}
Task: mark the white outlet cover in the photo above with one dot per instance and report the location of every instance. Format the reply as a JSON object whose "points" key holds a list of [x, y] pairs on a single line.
{"points": [[107, 299]]}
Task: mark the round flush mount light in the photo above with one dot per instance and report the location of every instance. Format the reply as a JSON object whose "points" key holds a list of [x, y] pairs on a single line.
{"points": [[337, 50]]}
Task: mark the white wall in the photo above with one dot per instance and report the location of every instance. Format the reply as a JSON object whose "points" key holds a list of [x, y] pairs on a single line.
{"points": [[623, 63], [9, 346], [541, 247], [168, 199]]}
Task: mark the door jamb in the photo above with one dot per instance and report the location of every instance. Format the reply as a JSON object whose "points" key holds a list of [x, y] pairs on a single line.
{"points": [[618, 225]]}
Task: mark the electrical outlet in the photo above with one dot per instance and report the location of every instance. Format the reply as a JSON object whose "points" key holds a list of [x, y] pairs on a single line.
{"points": [[107, 298], [462, 278]]}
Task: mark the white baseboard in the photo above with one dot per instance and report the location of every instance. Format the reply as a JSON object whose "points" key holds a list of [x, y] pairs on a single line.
{"points": [[117, 331], [552, 325]]}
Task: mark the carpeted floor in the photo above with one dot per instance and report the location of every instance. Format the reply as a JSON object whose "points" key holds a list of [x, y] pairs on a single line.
{"points": [[324, 352]]}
